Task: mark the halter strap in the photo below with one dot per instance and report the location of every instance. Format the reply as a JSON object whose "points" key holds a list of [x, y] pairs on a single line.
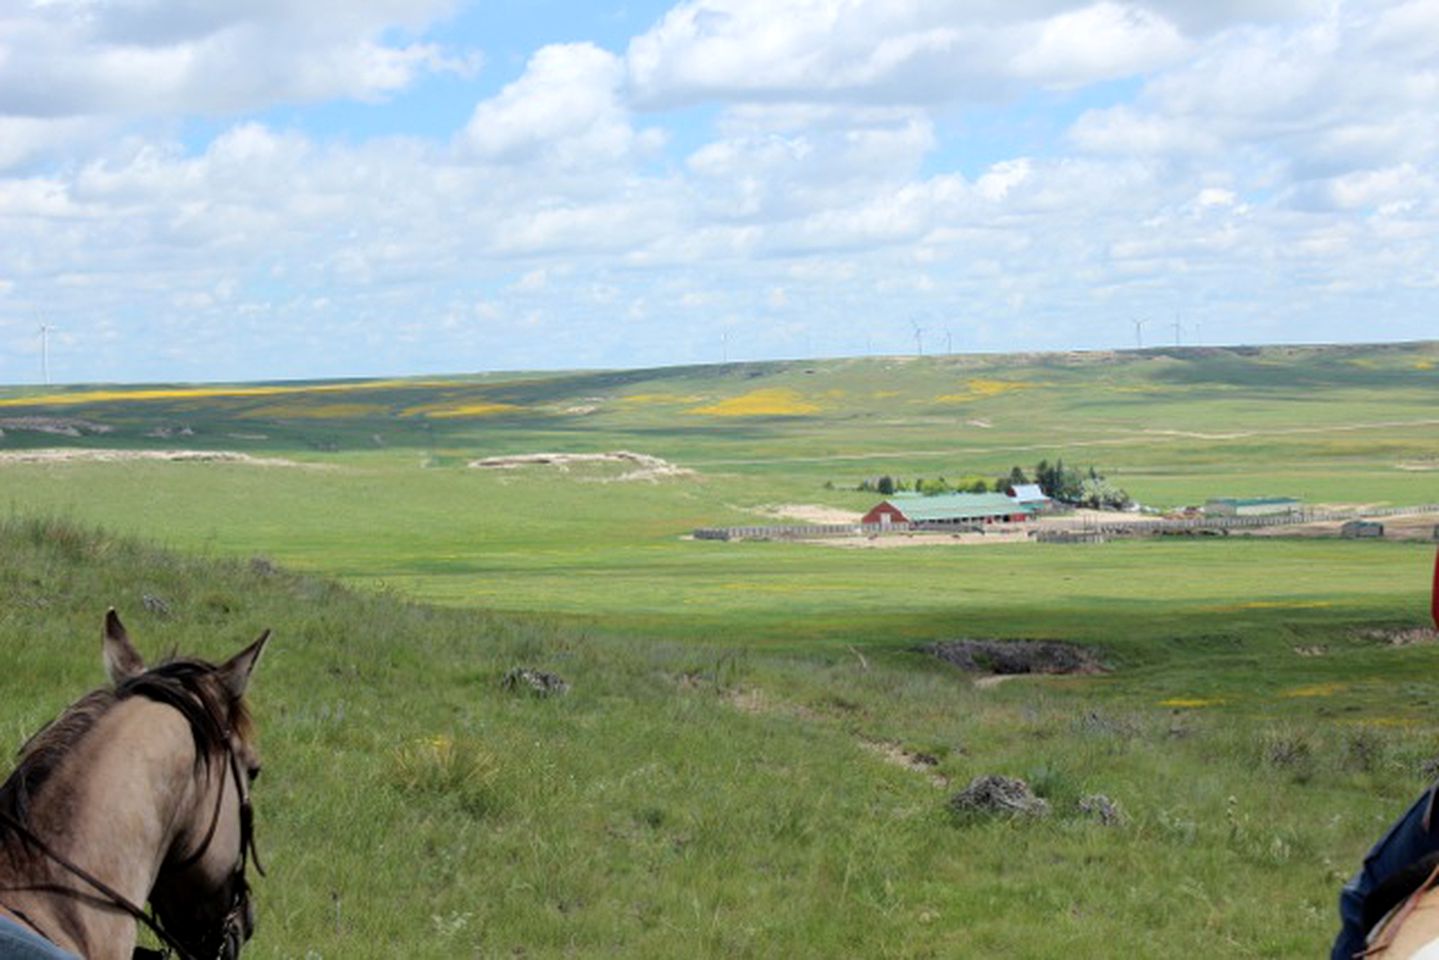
{"points": [[248, 850], [193, 858]]}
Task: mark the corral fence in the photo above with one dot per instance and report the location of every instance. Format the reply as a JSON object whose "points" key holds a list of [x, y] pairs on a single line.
{"points": [[821, 531], [1077, 530], [1201, 526], [814, 531], [1397, 511]]}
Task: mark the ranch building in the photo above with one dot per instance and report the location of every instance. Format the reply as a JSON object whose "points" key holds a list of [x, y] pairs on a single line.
{"points": [[966, 508], [1029, 495], [1251, 506]]}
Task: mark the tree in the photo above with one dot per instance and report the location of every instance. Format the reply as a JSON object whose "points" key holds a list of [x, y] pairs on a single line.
{"points": [[1058, 481], [1100, 494], [885, 485], [1044, 476]]}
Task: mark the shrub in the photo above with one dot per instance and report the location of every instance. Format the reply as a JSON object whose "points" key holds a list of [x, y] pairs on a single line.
{"points": [[1289, 750]]}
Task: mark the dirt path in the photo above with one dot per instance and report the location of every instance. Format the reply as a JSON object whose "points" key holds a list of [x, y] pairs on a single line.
{"points": [[1404, 526], [809, 513]]}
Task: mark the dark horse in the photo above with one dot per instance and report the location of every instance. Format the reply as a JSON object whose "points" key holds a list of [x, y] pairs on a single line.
{"points": [[137, 792]]}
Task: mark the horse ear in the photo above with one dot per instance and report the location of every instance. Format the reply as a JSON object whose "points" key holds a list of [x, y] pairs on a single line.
{"points": [[235, 672], [122, 660]]}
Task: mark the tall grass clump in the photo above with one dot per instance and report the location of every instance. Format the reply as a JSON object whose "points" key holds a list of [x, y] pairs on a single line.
{"points": [[441, 767]]}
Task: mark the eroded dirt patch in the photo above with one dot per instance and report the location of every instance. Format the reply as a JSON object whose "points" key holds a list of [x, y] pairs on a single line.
{"points": [[645, 466], [1399, 636], [89, 455], [809, 513], [894, 753], [60, 426], [1006, 658]]}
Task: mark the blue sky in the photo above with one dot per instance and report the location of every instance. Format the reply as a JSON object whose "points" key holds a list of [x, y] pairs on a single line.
{"points": [[230, 191]]}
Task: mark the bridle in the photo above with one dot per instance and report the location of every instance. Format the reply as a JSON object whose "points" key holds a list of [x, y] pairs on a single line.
{"points": [[225, 940]]}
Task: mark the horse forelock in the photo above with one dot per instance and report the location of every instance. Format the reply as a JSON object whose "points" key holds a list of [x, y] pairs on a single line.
{"points": [[189, 685], [194, 688]]}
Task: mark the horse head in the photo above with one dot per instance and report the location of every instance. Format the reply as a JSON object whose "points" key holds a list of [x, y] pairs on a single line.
{"points": [[138, 791], [201, 895]]}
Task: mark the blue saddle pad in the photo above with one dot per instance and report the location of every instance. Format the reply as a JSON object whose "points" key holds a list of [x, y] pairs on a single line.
{"points": [[19, 942]]}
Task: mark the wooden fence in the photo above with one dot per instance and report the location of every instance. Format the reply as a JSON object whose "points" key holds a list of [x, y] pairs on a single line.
{"points": [[814, 531], [1076, 530]]}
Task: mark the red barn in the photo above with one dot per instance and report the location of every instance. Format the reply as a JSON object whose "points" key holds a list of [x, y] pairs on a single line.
{"points": [[886, 513]]}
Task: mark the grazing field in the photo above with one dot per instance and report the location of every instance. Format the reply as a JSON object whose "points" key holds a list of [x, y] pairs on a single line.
{"points": [[753, 759]]}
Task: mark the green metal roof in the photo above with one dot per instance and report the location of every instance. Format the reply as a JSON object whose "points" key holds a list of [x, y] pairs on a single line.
{"points": [[956, 506]]}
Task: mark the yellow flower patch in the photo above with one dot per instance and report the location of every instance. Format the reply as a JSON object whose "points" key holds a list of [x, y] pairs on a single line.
{"points": [[441, 411], [79, 397], [982, 389], [1315, 690], [1192, 702], [768, 402]]}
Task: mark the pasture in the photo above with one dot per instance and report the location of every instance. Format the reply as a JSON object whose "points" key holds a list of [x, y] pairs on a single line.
{"points": [[727, 777]]}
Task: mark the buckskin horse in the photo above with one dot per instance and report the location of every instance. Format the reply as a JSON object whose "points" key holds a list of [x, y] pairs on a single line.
{"points": [[139, 791], [1390, 907]]}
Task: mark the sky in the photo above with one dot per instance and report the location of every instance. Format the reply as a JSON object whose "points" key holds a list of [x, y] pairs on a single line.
{"points": [[198, 190]]}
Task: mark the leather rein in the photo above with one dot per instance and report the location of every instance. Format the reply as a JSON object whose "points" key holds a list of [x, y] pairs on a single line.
{"points": [[248, 851]]}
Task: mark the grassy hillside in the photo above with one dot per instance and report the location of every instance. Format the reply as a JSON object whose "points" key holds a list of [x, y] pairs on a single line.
{"points": [[687, 800], [1176, 424], [386, 497], [727, 776]]}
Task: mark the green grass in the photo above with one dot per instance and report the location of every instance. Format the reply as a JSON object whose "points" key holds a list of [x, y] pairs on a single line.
{"points": [[688, 800], [710, 787]]}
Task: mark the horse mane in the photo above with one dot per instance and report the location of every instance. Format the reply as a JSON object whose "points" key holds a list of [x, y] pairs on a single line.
{"points": [[190, 685]]}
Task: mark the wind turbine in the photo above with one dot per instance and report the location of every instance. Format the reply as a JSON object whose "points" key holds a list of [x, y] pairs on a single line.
{"points": [[1139, 331], [918, 337], [45, 330]]}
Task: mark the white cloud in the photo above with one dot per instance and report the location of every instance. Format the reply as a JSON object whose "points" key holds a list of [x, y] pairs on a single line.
{"points": [[159, 57], [1098, 42], [533, 281], [879, 51], [1277, 155], [564, 109]]}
